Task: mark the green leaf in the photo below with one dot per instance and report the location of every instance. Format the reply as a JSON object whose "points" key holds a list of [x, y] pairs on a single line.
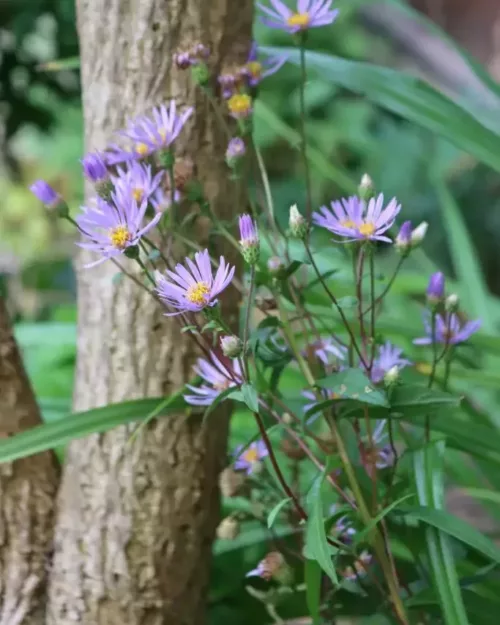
{"points": [[317, 547], [271, 517], [50, 435], [312, 577], [428, 465], [250, 397], [252, 537], [360, 536], [453, 526], [465, 259], [483, 494], [354, 384], [410, 97], [409, 399]]}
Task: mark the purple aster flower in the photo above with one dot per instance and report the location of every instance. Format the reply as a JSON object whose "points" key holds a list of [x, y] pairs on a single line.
{"points": [[309, 14], [388, 356], [450, 330], [353, 219], [380, 455], [351, 573], [157, 132], [403, 239], [113, 226], [46, 194], [249, 236], [236, 148], [136, 180], [161, 200], [325, 394], [255, 71], [327, 346], [249, 457], [94, 167], [217, 377], [195, 288], [435, 288]]}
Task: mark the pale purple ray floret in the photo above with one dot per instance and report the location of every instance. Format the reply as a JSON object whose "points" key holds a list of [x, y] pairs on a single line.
{"points": [[256, 69], [249, 458], [449, 330], [157, 131], [137, 179], [193, 288], [113, 227], [308, 14], [217, 377], [388, 356], [327, 347], [355, 220]]}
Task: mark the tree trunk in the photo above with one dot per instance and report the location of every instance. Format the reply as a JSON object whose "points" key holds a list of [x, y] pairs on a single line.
{"points": [[27, 493], [136, 518]]}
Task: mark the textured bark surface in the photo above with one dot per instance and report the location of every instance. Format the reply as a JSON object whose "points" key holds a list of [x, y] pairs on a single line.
{"points": [[136, 521], [27, 494]]}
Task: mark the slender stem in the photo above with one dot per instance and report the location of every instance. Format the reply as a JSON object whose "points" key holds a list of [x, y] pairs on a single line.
{"points": [[379, 299], [247, 318], [146, 271], [336, 304], [447, 369], [433, 372], [303, 143], [134, 279], [288, 491], [359, 294], [372, 309], [218, 112]]}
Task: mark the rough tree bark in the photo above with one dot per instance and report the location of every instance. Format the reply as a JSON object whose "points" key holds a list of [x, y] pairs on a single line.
{"points": [[136, 521], [28, 489]]}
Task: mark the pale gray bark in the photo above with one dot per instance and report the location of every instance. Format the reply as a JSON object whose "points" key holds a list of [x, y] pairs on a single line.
{"points": [[27, 494], [136, 520]]}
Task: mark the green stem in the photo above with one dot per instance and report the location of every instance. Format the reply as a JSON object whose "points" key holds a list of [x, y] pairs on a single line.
{"points": [[303, 80], [380, 298], [247, 319], [146, 271]]}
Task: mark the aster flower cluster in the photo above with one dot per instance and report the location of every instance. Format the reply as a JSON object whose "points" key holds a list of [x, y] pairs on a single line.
{"points": [[307, 360]]}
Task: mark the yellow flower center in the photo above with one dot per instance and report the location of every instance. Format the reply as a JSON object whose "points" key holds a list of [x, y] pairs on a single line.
{"points": [[138, 194], [141, 149], [348, 223], [197, 293], [251, 455], [119, 237], [299, 19], [240, 104], [255, 69], [367, 229]]}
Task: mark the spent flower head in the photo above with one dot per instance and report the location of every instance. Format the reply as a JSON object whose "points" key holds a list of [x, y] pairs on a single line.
{"points": [[276, 266], [297, 223], [193, 287], [217, 377], [113, 227], [231, 346], [249, 458], [235, 151], [449, 330], [307, 14]]}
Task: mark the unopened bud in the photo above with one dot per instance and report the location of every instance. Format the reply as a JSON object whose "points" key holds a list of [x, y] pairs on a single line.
{"points": [[403, 238], [228, 529], [275, 266], [230, 482], [200, 74], [451, 303], [418, 235], [287, 418], [297, 223], [366, 189], [231, 346], [391, 376], [435, 289]]}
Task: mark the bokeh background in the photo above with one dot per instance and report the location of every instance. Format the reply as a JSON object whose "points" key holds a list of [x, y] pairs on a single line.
{"points": [[41, 137]]}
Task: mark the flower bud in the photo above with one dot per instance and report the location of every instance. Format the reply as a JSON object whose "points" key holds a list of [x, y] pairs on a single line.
{"points": [[435, 289], [200, 74], [231, 346], [403, 238], [230, 482], [391, 376], [50, 198], [236, 150], [249, 240], [297, 224], [275, 266], [418, 235], [366, 189], [228, 529], [287, 418], [451, 303]]}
